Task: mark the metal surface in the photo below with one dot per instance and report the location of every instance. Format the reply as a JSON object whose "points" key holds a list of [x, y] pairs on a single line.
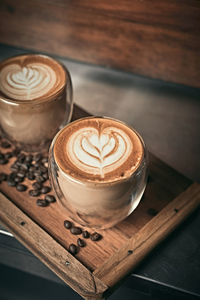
{"points": [[168, 118]]}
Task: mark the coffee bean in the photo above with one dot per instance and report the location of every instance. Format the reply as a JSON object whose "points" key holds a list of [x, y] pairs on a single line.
{"points": [[81, 243], [14, 167], [67, 224], [37, 164], [16, 151], [18, 179], [30, 176], [45, 189], [34, 193], [3, 176], [37, 173], [76, 230], [37, 185], [45, 176], [21, 157], [3, 161], [85, 234], [73, 249], [8, 155], [2, 155], [12, 175], [40, 179], [21, 187], [95, 236], [42, 202], [44, 160], [32, 169], [21, 174], [50, 198], [43, 169], [5, 144], [29, 158], [25, 166], [37, 157], [11, 182]]}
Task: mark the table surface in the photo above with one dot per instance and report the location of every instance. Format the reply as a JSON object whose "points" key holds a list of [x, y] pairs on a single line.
{"points": [[168, 118]]}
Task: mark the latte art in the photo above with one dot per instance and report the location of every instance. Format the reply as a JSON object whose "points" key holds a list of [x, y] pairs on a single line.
{"points": [[97, 152], [27, 83], [98, 149]]}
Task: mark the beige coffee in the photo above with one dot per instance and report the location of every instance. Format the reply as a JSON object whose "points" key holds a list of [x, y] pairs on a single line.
{"points": [[100, 172], [33, 100]]}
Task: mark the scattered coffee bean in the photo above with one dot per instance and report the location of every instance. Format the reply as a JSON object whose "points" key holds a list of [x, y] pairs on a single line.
{"points": [[85, 234], [3, 177], [34, 193], [11, 182], [5, 144], [21, 157], [30, 176], [32, 169], [37, 173], [43, 169], [76, 230], [44, 160], [16, 151], [40, 179], [29, 158], [73, 249], [8, 155], [42, 202], [14, 167], [1, 155], [21, 174], [37, 185], [45, 189], [12, 175], [21, 187], [45, 176], [81, 243], [50, 198], [95, 236], [37, 164], [3, 161], [67, 224], [25, 166], [19, 179], [37, 157]]}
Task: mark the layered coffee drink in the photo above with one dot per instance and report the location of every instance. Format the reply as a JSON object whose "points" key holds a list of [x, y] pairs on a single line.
{"points": [[98, 170], [35, 99]]}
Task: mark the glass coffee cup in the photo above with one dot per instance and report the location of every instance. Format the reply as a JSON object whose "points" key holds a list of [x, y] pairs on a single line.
{"points": [[98, 170], [36, 100]]}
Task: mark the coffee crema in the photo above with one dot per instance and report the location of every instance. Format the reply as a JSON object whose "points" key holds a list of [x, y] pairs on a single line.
{"points": [[30, 77], [98, 149]]}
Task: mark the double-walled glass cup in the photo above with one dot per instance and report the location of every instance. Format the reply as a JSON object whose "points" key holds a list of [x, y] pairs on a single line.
{"points": [[32, 124], [98, 205]]}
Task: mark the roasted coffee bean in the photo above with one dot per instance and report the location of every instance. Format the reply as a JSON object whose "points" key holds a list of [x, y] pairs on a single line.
{"points": [[85, 234], [40, 179], [18, 163], [8, 155], [3, 161], [18, 179], [5, 144], [11, 182], [29, 158], [25, 166], [21, 157], [37, 185], [37, 173], [37, 157], [21, 174], [67, 224], [3, 176], [12, 175], [21, 187], [1, 155], [95, 236], [50, 198], [34, 193], [32, 168], [14, 167], [81, 243], [45, 189], [44, 160], [16, 151], [43, 169], [30, 176], [73, 249], [37, 165], [76, 230], [42, 202], [45, 176]]}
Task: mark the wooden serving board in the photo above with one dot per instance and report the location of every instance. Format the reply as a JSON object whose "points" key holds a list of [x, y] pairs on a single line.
{"points": [[98, 267]]}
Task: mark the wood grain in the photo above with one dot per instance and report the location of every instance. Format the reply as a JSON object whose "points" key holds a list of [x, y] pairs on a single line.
{"points": [[158, 38], [49, 251]]}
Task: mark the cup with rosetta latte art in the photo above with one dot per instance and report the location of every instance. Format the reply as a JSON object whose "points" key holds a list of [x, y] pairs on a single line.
{"points": [[98, 170], [35, 100]]}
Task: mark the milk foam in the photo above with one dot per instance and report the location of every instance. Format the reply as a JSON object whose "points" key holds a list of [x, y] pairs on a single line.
{"points": [[98, 152], [28, 82]]}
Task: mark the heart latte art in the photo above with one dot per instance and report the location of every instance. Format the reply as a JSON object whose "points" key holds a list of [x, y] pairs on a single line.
{"points": [[98, 149], [95, 152]]}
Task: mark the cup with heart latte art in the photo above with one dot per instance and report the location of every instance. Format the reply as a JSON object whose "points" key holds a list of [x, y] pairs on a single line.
{"points": [[35, 99], [98, 170]]}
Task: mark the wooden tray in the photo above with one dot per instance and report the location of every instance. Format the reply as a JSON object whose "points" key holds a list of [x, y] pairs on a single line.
{"points": [[98, 267]]}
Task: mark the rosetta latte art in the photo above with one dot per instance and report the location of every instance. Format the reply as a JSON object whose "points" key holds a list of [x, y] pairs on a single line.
{"points": [[97, 152], [28, 82]]}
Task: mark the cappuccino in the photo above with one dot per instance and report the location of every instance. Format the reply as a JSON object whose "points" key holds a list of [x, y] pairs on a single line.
{"points": [[98, 170], [35, 99]]}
